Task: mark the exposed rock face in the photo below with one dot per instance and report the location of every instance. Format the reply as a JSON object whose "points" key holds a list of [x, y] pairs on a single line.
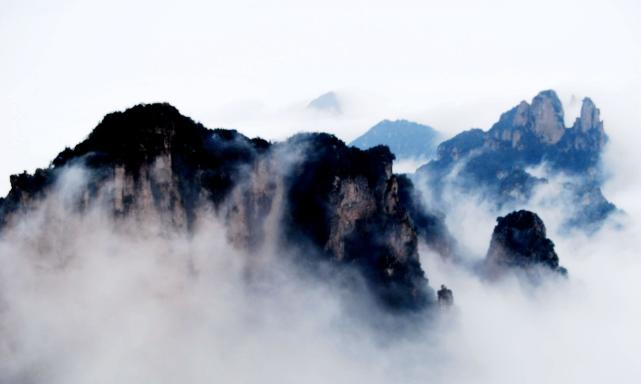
{"points": [[495, 163], [543, 118], [589, 119], [348, 203], [519, 241], [546, 115], [580, 147], [333, 203]]}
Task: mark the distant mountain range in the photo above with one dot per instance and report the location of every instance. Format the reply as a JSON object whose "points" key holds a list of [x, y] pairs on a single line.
{"points": [[406, 139], [495, 165]]}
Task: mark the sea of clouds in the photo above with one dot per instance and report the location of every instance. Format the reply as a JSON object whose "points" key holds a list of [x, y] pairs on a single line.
{"points": [[87, 298]]}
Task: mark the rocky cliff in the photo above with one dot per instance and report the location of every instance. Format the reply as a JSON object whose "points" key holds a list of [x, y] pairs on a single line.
{"points": [[330, 202], [519, 242], [495, 164]]}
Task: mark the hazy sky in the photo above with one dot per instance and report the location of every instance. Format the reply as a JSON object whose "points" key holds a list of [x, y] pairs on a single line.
{"points": [[253, 65]]}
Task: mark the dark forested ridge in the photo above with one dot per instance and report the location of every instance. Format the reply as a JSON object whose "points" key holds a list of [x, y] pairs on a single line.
{"points": [[341, 205], [328, 203]]}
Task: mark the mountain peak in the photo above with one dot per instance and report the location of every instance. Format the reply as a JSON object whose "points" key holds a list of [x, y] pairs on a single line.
{"points": [[547, 117], [137, 134], [519, 240], [335, 203], [327, 102], [589, 118], [520, 114], [543, 117], [158, 118], [548, 94], [406, 139], [529, 135]]}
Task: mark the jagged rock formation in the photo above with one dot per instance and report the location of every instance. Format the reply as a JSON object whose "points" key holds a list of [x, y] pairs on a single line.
{"points": [[520, 242], [406, 139], [375, 218], [445, 296], [332, 202], [495, 163], [152, 160]]}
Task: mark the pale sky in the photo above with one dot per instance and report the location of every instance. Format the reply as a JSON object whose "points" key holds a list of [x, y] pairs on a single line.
{"points": [[254, 65]]}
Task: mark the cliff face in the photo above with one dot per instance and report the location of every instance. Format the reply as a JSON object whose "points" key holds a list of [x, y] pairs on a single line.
{"points": [[520, 242], [148, 160], [495, 163], [331, 202], [348, 203]]}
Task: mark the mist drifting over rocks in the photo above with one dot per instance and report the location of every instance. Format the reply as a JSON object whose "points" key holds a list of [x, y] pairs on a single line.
{"points": [[158, 250], [332, 203], [519, 241], [526, 149]]}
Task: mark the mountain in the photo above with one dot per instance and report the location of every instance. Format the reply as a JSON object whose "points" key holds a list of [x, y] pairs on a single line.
{"points": [[519, 242], [406, 139], [496, 164], [327, 102], [330, 203]]}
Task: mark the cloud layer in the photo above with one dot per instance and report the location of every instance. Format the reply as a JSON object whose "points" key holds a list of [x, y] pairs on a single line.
{"points": [[84, 298]]}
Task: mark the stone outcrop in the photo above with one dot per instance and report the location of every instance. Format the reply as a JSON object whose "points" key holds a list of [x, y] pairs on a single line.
{"points": [[445, 296], [495, 163], [333, 203], [519, 242], [546, 115], [348, 203]]}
